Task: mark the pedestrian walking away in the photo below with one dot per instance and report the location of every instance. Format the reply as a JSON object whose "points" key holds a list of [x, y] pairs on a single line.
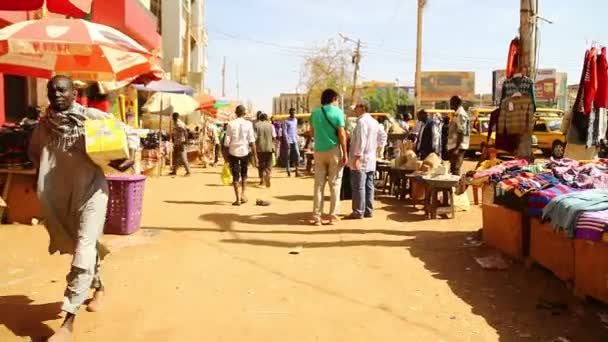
{"points": [[366, 142], [459, 134], [240, 142], [265, 137], [73, 195], [290, 136], [180, 142], [328, 129]]}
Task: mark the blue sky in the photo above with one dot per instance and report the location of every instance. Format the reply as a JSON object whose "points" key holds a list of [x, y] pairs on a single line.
{"points": [[267, 39]]}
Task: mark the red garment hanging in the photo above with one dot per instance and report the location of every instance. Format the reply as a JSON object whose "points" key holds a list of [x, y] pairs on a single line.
{"points": [[590, 82], [512, 58], [601, 97]]}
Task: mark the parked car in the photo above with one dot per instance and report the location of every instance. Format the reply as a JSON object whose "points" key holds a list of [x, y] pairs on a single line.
{"points": [[551, 140]]}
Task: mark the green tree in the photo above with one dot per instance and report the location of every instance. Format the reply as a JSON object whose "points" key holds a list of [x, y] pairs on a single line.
{"points": [[329, 66], [385, 101]]}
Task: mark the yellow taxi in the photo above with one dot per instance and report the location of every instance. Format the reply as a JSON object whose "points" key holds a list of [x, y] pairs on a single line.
{"points": [[281, 117], [547, 130]]}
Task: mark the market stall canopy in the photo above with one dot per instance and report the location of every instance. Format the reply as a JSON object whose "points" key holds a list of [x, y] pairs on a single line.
{"points": [[72, 8], [205, 101], [168, 103], [166, 86], [72, 47]]}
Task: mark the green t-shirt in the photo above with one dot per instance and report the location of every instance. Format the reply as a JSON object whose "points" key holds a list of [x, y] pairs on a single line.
{"points": [[326, 137]]}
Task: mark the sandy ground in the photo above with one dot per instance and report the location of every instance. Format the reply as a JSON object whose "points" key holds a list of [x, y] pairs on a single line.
{"points": [[202, 270]]}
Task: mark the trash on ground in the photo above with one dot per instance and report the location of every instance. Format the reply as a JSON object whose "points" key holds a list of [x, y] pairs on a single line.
{"points": [[493, 262], [296, 250]]}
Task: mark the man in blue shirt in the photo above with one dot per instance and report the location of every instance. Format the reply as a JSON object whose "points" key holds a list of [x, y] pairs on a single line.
{"points": [[290, 136]]}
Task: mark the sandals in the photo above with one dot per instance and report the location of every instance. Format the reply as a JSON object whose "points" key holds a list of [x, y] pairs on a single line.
{"points": [[316, 221]]}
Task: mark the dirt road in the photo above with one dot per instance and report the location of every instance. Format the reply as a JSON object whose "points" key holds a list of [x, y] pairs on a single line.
{"points": [[203, 270]]}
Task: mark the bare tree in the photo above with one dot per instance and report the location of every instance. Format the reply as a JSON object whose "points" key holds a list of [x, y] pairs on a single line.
{"points": [[328, 67]]}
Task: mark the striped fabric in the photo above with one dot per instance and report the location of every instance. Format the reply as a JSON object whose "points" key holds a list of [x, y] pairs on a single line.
{"points": [[591, 225], [538, 200]]}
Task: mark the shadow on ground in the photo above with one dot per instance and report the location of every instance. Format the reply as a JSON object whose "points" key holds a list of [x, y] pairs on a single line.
{"points": [[520, 303], [19, 315]]}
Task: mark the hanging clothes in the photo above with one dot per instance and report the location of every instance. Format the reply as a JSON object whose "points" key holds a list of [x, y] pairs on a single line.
{"points": [[512, 58], [516, 116], [601, 96], [590, 82]]}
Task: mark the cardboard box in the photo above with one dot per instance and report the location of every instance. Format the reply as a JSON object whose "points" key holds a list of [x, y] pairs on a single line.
{"points": [[552, 249], [502, 229], [591, 269]]}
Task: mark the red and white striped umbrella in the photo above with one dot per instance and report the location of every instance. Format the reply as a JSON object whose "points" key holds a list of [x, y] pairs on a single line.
{"points": [[72, 47]]}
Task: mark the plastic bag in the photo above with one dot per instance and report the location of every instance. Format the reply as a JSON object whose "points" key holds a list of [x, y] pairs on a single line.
{"points": [[226, 175], [274, 160]]}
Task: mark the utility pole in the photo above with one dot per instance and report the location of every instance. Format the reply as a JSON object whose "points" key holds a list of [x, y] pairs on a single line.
{"points": [[527, 42], [356, 60], [421, 4], [238, 85], [224, 78]]}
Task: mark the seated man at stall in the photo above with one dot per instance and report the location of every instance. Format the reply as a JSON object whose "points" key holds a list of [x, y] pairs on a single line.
{"points": [[73, 195]]}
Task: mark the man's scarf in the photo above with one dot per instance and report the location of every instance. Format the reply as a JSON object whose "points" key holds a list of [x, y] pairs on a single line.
{"points": [[66, 127]]}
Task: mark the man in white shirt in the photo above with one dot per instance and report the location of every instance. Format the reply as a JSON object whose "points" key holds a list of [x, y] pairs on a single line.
{"points": [[459, 135], [367, 137], [240, 141]]}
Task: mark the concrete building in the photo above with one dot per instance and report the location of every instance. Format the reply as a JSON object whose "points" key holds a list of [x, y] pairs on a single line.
{"points": [[184, 39], [282, 103]]}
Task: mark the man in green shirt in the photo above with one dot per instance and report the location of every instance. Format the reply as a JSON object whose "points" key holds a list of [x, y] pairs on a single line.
{"points": [[327, 128]]}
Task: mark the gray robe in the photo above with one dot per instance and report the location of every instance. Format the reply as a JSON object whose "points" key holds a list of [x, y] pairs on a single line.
{"points": [[73, 195]]}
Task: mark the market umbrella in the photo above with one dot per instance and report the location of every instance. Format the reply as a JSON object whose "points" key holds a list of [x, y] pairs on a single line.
{"points": [[170, 103], [205, 101], [72, 47], [166, 86]]}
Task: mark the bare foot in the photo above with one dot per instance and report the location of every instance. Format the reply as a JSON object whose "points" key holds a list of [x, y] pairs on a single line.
{"points": [[61, 335], [96, 303]]}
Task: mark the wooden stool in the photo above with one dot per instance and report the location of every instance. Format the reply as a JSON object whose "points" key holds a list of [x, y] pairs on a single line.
{"points": [[434, 206], [476, 192], [384, 175], [310, 158]]}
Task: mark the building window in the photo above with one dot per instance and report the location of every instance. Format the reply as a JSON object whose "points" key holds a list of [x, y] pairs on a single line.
{"points": [[155, 8]]}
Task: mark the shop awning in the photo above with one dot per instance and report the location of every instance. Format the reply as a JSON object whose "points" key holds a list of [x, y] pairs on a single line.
{"points": [[20, 5], [71, 8], [130, 17]]}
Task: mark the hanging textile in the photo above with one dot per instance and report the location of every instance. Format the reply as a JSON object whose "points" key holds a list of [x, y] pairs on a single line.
{"points": [[512, 58], [601, 96], [590, 82]]}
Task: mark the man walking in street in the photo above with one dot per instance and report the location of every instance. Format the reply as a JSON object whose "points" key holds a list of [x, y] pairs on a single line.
{"points": [[73, 195], [180, 141], [290, 136], [328, 129], [240, 141], [265, 136], [459, 134], [367, 138]]}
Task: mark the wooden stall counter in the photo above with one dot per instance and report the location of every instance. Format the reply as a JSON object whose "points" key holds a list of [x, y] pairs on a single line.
{"points": [[591, 269], [552, 250], [19, 192], [502, 229]]}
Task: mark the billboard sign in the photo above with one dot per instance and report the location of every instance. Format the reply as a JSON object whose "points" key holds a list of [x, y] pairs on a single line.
{"points": [[442, 85], [545, 85]]}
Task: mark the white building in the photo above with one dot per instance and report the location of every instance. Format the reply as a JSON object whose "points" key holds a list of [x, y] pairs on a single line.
{"points": [[184, 57]]}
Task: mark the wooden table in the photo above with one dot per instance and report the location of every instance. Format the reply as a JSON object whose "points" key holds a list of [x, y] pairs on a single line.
{"points": [[433, 206]]}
